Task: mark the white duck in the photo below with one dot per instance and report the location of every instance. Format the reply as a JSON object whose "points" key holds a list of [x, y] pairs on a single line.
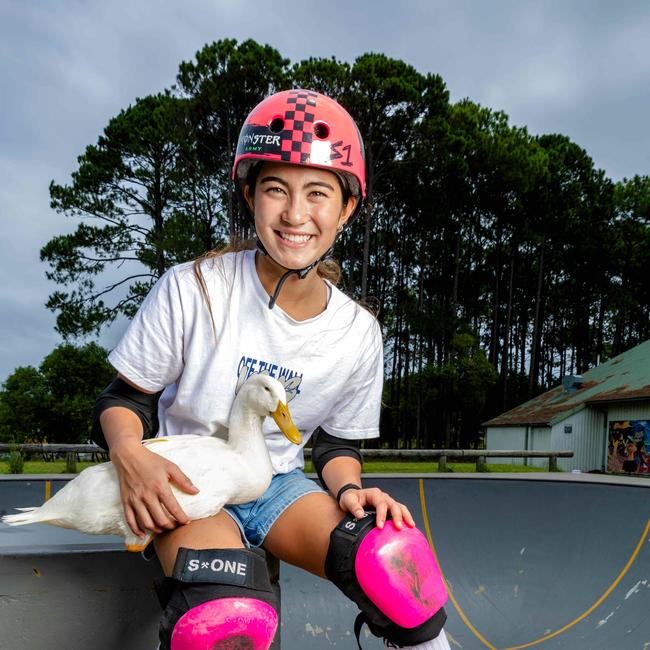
{"points": [[236, 471]]}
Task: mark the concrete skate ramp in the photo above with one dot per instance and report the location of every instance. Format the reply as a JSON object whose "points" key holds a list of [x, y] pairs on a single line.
{"points": [[542, 560], [549, 561]]}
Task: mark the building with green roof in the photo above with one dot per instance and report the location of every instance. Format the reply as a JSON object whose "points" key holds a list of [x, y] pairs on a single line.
{"points": [[602, 416]]}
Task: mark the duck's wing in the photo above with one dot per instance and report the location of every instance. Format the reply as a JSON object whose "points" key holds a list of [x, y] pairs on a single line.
{"points": [[214, 476], [171, 445], [189, 452], [221, 474], [172, 441]]}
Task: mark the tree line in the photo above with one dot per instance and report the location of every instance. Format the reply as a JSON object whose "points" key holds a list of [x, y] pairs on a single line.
{"points": [[53, 403], [499, 260]]}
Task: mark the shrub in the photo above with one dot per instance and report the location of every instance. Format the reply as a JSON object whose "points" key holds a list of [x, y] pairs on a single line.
{"points": [[15, 461]]}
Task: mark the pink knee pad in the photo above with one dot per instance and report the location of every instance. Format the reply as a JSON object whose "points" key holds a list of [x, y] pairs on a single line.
{"points": [[397, 571], [225, 624]]}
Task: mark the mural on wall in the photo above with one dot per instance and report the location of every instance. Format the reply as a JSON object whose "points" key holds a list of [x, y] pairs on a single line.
{"points": [[629, 443]]}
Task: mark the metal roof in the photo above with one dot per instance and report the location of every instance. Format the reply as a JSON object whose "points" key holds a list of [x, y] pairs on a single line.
{"points": [[625, 377]]}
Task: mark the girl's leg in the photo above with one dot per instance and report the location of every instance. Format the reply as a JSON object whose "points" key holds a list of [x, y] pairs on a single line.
{"points": [[220, 594], [219, 531], [301, 534]]}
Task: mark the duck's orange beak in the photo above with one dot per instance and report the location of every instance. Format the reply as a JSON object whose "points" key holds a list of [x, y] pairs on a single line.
{"points": [[283, 419]]}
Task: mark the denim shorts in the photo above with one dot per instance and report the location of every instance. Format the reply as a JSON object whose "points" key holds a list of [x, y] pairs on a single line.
{"points": [[256, 518]]}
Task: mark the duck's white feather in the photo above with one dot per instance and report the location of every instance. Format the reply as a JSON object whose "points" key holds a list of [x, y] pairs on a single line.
{"points": [[236, 471]]}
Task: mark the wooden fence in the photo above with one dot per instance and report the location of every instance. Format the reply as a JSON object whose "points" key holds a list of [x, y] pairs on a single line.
{"points": [[49, 452], [478, 455], [443, 456]]}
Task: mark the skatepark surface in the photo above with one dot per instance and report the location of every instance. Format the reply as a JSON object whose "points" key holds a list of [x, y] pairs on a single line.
{"points": [[531, 560]]}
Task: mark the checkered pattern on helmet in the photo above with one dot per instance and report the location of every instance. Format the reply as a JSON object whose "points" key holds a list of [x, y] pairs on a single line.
{"points": [[298, 126]]}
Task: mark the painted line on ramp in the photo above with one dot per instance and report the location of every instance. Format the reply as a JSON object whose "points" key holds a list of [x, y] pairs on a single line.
{"points": [[546, 637], [458, 608]]}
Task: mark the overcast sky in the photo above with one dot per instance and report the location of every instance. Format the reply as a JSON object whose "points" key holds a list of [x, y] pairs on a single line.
{"points": [[581, 68]]}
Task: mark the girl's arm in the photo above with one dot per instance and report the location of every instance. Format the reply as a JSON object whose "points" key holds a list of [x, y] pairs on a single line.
{"points": [[144, 477]]}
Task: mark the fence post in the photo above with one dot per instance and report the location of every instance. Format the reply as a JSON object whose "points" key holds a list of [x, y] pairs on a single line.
{"points": [[442, 463], [481, 465], [71, 462], [552, 463]]}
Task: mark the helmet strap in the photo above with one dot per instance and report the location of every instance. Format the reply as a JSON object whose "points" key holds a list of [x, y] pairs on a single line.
{"points": [[301, 273], [283, 279]]}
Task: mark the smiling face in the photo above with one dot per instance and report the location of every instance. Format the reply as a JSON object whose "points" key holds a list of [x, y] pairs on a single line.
{"points": [[298, 210]]}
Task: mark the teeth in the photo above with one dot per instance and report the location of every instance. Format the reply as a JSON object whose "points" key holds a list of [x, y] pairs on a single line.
{"points": [[296, 239]]}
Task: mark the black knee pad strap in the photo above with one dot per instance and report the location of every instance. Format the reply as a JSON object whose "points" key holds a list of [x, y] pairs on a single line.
{"points": [[203, 575], [339, 568]]}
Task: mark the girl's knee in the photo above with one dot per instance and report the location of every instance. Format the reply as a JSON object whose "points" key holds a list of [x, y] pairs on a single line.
{"points": [[219, 531]]}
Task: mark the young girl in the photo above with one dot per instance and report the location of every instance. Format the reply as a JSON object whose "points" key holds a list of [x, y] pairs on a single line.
{"points": [[209, 325]]}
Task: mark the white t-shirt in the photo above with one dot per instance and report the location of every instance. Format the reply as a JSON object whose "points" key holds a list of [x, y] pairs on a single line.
{"points": [[331, 365]]}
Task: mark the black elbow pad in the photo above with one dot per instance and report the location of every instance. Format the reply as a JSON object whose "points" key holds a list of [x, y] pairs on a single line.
{"points": [[327, 447], [119, 393]]}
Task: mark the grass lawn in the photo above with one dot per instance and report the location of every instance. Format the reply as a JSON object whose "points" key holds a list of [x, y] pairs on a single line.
{"points": [[43, 467], [369, 467], [423, 467]]}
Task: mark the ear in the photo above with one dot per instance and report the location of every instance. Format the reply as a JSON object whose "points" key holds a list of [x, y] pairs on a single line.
{"points": [[348, 211], [248, 197]]}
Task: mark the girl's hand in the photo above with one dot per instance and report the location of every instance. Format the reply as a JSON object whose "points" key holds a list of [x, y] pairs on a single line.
{"points": [[148, 501], [354, 501]]}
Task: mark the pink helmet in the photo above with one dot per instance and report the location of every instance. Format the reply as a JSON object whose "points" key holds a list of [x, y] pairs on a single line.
{"points": [[303, 127]]}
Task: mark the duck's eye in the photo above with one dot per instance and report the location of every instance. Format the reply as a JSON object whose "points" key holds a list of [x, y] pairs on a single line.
{"points": [[267, 389]]}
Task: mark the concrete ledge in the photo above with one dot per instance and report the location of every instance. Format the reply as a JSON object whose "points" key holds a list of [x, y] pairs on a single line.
{"points": [[558, 477]]}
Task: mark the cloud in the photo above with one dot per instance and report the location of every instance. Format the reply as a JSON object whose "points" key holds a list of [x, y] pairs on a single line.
{"points": [[579, 68]]}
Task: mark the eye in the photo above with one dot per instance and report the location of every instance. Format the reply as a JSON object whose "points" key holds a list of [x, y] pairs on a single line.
{"points": [[267, 389]]}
